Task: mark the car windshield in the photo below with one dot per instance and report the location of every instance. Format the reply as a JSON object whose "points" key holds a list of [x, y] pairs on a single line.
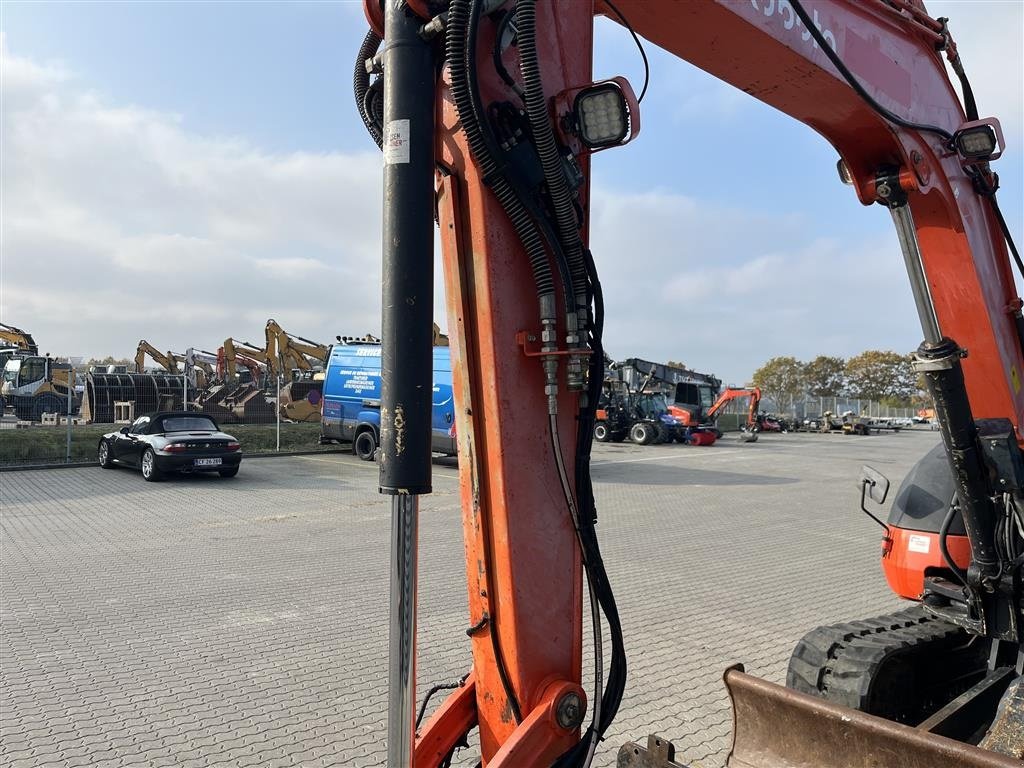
{"points": [[189, 424]]}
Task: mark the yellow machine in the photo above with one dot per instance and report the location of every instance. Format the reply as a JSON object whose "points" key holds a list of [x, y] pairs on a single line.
{"points": [[233, 352], [168, 360], [35, 385], [301, 397]]}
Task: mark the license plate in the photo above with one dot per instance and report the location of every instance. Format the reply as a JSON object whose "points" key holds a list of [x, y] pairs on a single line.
{"points": [[208, 462]]}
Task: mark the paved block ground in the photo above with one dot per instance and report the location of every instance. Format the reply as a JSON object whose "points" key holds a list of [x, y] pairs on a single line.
{"points": [[209, 622]]}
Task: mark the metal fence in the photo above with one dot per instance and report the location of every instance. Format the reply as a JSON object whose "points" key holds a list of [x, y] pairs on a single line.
{"points": [[816, 406], [266, 417]]}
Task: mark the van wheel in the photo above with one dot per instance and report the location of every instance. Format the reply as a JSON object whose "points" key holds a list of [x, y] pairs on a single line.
{"points": [[365, 445]]}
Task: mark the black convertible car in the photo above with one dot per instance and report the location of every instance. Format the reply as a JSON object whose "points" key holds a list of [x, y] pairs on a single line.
{"points": [[172, 441]]}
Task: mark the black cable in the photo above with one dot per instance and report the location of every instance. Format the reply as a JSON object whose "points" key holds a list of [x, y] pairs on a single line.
{"points": [[989, 191], [943, 534], [855, 84], [970, 109], [440, 687], [639, 45], [970, 105], [496, 52]]}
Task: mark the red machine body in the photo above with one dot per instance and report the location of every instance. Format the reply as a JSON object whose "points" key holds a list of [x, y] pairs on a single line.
{"points": [[525, 588]]}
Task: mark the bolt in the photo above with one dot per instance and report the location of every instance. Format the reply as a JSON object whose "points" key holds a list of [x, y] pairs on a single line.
{"points": [[884, 190], [570, 711]]}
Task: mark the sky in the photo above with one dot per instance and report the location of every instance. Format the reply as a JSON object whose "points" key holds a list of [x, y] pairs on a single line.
{"points": [[181, 172]]}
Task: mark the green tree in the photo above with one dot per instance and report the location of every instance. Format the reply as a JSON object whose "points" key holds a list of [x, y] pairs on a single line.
{"points": [[781, 379], [878, 375], [825, 376]]}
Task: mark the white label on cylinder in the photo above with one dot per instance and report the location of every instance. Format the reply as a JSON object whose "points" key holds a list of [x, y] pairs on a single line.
{"points": [[396, 142], [919, 544]]}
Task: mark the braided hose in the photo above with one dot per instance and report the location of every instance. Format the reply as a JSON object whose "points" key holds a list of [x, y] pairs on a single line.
{"points": [[361, 84]]}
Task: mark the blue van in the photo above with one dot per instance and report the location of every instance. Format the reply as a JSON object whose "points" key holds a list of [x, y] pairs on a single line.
{"points": [[351, 411]]}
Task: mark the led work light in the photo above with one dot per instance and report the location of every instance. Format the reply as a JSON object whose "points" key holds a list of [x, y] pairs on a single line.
{"points": [[601, 115], [979, 141]]}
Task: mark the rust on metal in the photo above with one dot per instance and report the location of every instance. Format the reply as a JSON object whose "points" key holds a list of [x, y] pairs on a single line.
{"points": [[775, 727]]}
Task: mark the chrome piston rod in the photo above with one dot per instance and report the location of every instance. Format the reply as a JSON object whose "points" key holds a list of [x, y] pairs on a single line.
{"points": [[904, 221], [402, 632]]}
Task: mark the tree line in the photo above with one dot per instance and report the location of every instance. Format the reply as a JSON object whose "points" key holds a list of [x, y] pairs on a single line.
{"points": [[883, 376]]}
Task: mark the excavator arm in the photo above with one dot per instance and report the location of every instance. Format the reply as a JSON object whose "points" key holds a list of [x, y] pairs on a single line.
{"points": [[294, 351], [168, 360], [733, 394], [15, 337], [230, 354], [509, 127]]}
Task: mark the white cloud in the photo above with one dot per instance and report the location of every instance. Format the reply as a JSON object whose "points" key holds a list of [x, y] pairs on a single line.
{"points": [[725, 289], [120, 224]]}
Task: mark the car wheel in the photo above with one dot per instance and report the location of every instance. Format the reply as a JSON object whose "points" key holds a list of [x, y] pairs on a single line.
{"points": [[641, 434], [103, 454], [230, 472], [365, 445], [150, 472], [601, 432]]}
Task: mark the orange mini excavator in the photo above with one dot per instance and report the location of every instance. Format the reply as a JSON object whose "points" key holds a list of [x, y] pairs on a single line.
{"points": [[487, 115]]}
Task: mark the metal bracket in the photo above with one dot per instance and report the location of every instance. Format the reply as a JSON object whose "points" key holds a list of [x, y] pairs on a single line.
{"points": [[530, 343], [659, 753]]}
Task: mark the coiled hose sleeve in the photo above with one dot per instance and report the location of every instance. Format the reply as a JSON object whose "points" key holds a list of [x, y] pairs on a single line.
{"points": [[361, 84], [547, 149], [458, 54]]}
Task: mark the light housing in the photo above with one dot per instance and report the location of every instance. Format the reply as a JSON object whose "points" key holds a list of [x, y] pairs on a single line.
{"points": [[979, 141], [600, 115]]}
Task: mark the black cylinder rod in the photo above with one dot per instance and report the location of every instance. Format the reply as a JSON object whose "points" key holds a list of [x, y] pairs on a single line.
{"points": [[408, 243], [940, 364]]}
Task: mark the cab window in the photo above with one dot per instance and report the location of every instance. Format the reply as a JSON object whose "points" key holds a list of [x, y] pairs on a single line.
{"points": [[32, 369]]}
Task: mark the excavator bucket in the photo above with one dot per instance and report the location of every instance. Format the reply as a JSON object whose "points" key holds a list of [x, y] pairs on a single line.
{"points": [[776, 727]]}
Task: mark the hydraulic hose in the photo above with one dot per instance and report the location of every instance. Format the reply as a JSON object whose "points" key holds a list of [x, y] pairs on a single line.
{"points": [[547, 149], [551, 162], [361, 84], [459, 62]]}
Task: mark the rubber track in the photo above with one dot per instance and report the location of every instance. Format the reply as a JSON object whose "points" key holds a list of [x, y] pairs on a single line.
{"points": [[841, 662]]}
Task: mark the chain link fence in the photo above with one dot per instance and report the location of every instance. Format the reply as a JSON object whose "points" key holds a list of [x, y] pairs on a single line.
{"points": [[266, 417]]}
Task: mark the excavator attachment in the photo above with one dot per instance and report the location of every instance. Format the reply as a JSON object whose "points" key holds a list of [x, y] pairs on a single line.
{"points": [[776, 727]]}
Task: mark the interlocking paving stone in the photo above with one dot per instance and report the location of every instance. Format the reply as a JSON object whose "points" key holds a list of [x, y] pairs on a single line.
{"points": [[207, 622]]}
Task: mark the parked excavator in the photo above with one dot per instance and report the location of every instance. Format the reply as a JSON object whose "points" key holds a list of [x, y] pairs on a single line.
{"points": [[305, 361], [492, 116], [750, 426], [254, 359]]}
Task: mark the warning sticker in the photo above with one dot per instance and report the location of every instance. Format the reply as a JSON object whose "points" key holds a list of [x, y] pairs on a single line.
{"points": [[919, 544], [396, 142]]}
